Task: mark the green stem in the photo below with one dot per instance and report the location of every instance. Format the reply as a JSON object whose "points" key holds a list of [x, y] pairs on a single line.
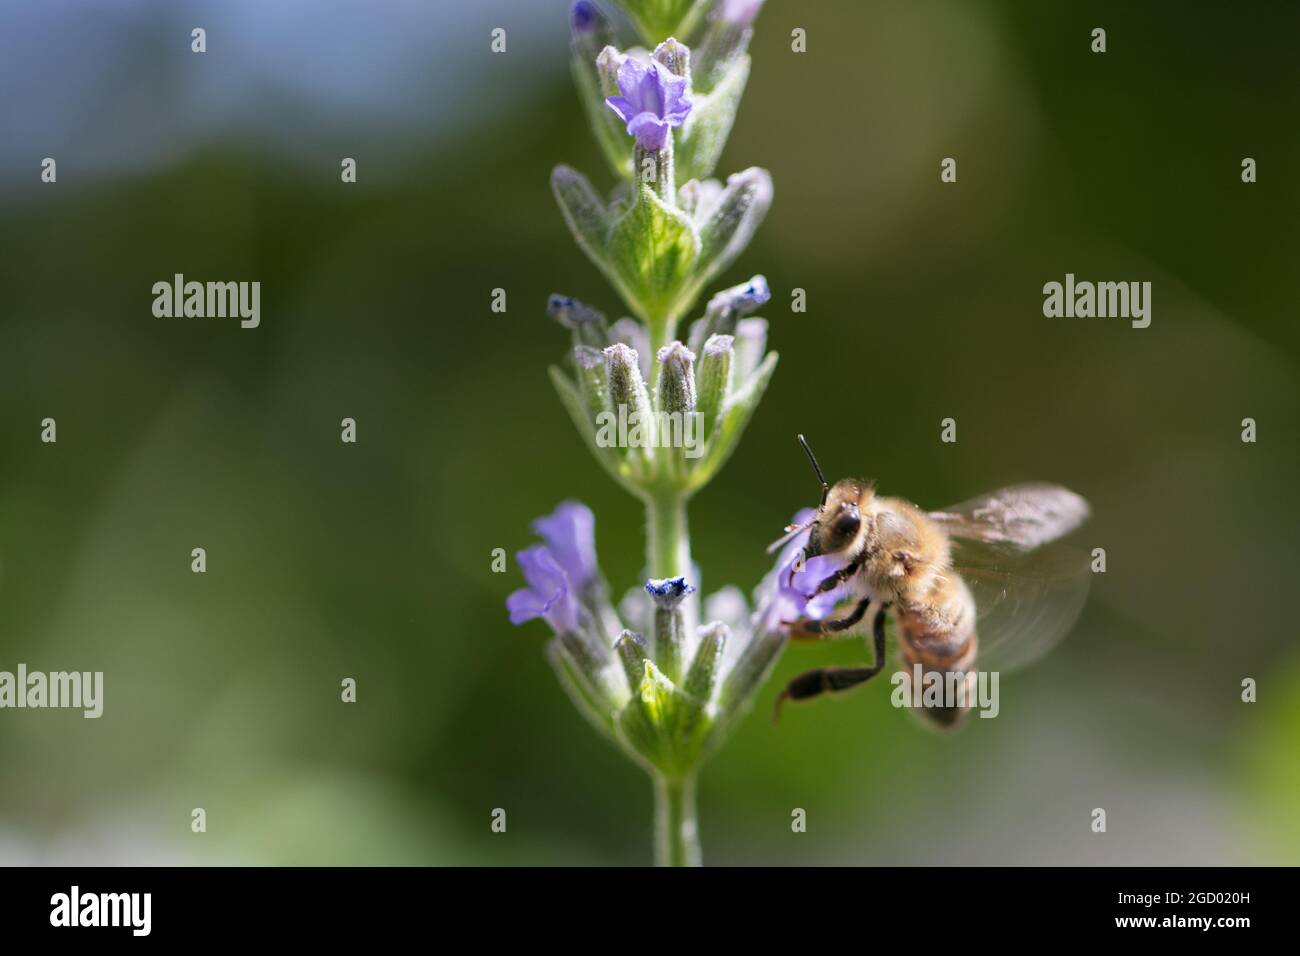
{"points": [[668, 543], [677, 837], [668, 555]]}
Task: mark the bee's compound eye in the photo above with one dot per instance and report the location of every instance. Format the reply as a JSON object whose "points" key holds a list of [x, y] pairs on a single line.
{"points": [[847, 522]]}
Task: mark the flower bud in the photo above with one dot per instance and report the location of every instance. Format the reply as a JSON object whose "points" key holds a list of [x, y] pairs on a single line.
{"points": [[630, 649], [587, 324], [668, 594], [714, 378], [608, 63], [676, 379], [675, 56], [629, 403], [593, 377], [727, 307], [740, 300], [590, 28], [703, 674], [731, 221]]}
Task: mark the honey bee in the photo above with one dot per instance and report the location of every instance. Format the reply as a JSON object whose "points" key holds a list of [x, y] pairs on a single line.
{"points": [[983, 565]]}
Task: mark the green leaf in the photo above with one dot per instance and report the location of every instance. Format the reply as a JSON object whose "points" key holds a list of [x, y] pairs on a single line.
{"points": [[713, 381], [583, 210], [651, 250], [701, 140]]}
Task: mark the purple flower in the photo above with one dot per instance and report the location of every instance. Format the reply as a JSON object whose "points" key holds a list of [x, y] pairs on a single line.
{"points": [[803, 585], [788, 594], [653, 101], [570, 534], [558, 571], [548, 594]]}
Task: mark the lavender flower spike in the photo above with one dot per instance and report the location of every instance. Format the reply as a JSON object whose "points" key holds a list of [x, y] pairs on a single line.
{"points": [[653, 101]]}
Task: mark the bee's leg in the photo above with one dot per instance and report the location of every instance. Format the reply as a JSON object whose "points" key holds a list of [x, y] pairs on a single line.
{"points": [[832, 581], [812, 628], [823, 680]]}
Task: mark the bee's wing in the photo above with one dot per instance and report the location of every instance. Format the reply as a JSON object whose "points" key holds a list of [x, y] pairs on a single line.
{"points": [[1019, 517], [1025, 602]]}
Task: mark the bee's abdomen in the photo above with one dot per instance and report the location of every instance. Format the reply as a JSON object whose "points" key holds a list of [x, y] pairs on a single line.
{"points": [[940, 637]]}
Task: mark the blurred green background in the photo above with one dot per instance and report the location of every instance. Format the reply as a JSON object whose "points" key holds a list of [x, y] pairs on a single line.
{"points": [[372, 560]]}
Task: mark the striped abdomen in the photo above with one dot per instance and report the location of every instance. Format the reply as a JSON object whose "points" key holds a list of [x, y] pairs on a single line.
{"points": [[938, 634]]}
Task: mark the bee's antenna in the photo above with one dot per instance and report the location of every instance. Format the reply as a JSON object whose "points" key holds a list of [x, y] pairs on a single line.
{"points": [[826, 489]]}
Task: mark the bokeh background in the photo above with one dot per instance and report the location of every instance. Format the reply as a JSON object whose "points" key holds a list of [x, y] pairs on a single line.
{"points": [[372, 560]]}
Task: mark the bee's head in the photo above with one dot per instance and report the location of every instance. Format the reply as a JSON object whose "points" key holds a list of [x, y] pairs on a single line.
{"points": [[840, 514], [839, 518]]}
